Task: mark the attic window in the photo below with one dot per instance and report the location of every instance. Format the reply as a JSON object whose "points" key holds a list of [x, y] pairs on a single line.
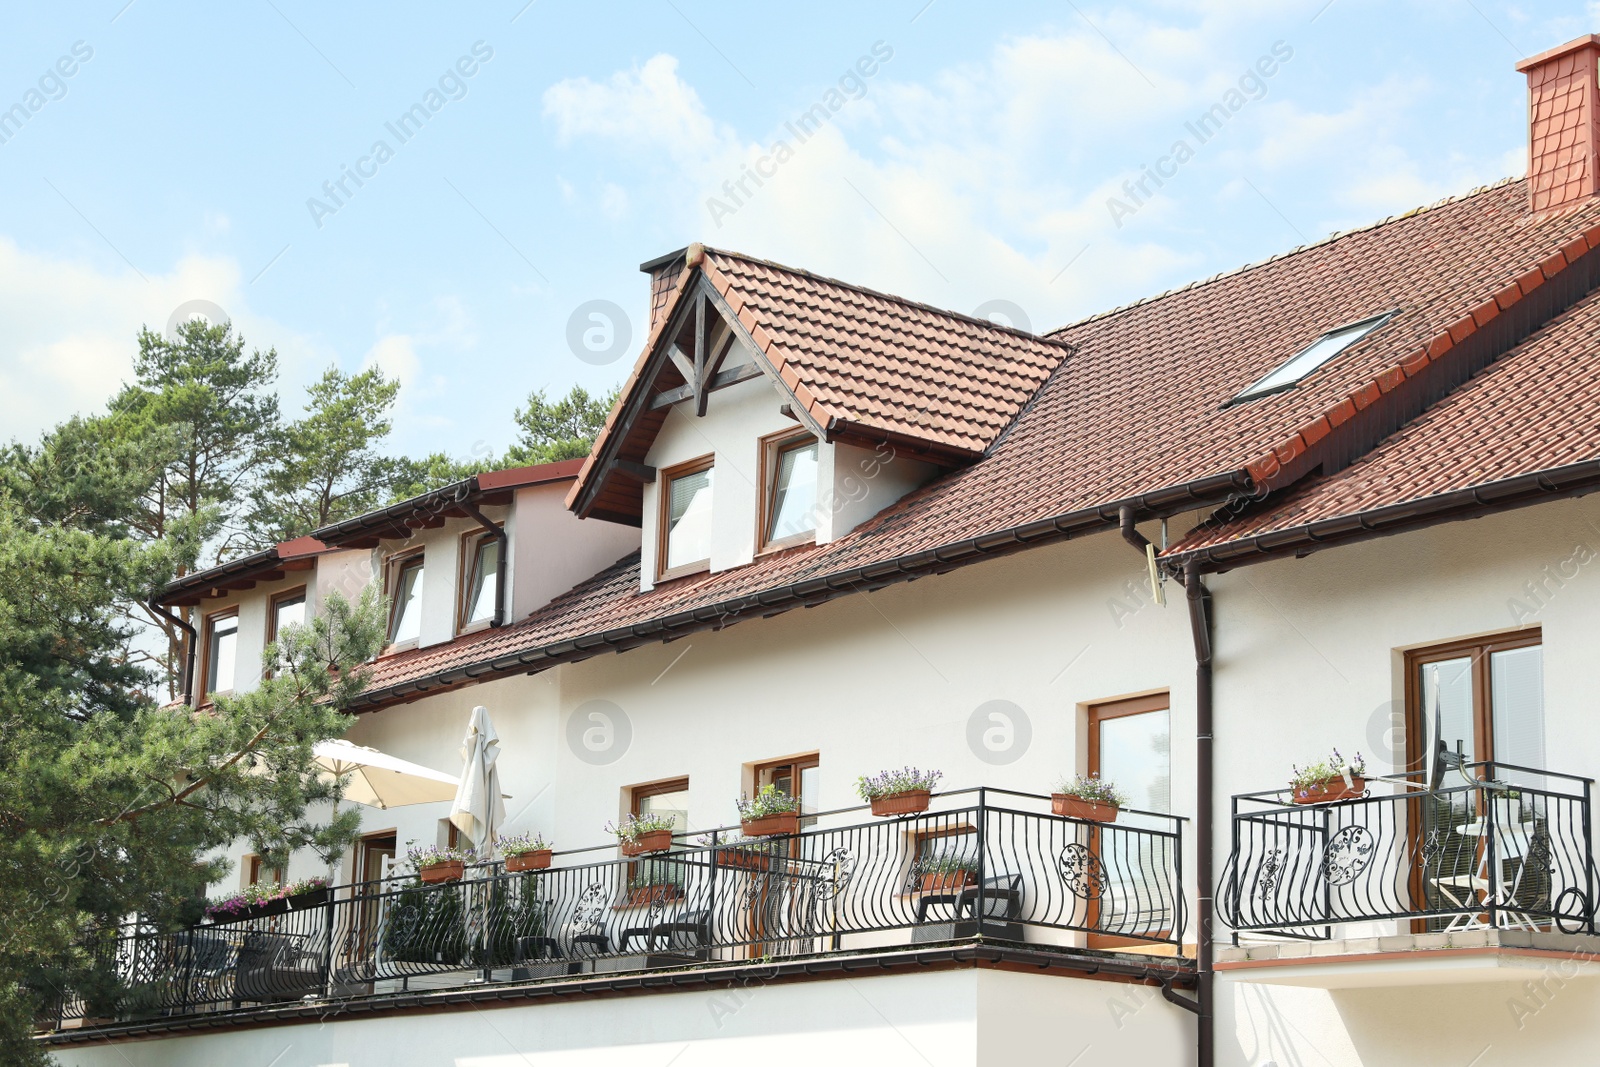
{"points": [[1300, 365]]}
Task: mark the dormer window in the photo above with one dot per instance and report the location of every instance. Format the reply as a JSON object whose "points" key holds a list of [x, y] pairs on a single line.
{"points": [[482, 576], [1300, 365], [789, 507], [405, 607], [685, 543]]}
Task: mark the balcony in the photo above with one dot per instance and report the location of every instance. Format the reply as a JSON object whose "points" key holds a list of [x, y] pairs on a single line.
{"points": [[985, 869], [1491, 870]]}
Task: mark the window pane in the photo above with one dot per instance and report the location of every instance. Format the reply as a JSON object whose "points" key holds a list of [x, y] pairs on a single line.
{"points": [[675, 804], [408, 603], [289, 612], [220, 657], [689, 519], [1313, 356], [1136, 755], [485, 576], [794, 493], [1516, 684], [1447, 710], [808, 789]]}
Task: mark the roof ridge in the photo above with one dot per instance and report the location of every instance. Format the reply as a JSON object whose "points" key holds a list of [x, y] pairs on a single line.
{"points": [[879, 293], [1337, 235]]}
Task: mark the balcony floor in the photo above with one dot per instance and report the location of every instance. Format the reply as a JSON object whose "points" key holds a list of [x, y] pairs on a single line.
{"points": [[1458, 957]]}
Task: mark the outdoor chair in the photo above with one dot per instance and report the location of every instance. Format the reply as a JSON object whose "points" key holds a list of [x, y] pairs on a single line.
{"points": [[1002, 899], [541, 957], [275, 967], [695, 924]]}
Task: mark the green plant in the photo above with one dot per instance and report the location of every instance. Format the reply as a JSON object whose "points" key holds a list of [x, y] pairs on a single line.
{"points": [[654, 874], [1321, 771], [637, 825], [948, 863], [1093, 788], [890, 783], [769, 800], [236, 903], [521, 844]]}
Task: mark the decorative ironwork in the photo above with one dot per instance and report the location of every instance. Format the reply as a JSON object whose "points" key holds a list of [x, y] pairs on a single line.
{"points": [[1082, 872], [1347, 855], [841, 864], [590, 912], [1267, 880]]}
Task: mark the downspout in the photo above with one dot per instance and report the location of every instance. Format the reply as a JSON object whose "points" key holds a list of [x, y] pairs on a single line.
{"points": [[1201, 622], [188, 648], [499, 534]]}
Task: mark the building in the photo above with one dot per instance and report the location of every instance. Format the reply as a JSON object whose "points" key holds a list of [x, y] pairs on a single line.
{"points": [[1185, 545]]}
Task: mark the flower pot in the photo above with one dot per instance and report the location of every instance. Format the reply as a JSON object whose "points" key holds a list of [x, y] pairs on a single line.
{"points": [[311, 898], [447, 871], [1078, 808], [537, 860], [1331, 789], [642, 895], [908, 803], [784, 822], [654, 841], [747, 859], [945, 881]]}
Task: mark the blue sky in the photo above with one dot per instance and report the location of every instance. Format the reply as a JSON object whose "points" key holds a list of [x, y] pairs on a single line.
{"points": [[968, 156]]}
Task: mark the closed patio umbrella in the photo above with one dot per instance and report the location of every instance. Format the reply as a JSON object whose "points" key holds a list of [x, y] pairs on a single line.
{"points": [[479, 809]]}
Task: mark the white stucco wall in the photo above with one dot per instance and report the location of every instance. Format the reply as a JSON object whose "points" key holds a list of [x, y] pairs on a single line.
{"points": [[951, 1018], [553, 550]]}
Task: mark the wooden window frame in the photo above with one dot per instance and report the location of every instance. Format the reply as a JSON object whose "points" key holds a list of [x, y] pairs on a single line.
{"points": [[208, 623], [392, 566], [472, 542], [664, 517], [272, 612], [773, 446], [637, 793], [1101, 712], [1480, 649]]}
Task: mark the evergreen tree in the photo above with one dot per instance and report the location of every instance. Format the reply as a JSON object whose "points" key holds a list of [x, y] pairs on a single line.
{"points": [[563, 429]]}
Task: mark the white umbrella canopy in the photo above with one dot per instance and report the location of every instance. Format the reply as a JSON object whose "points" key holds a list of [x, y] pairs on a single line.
{"points": [[381, 780], [479, 808]]}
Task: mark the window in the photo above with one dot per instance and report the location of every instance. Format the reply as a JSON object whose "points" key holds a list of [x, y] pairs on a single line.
{"points": [[661, 798], [1308, 359], [405, 609], [1130, 746], [1483, 698], [480, 579], [789, 509], [285, 610], [685, 544], [222, 642], [255, 871], [797, 777]]}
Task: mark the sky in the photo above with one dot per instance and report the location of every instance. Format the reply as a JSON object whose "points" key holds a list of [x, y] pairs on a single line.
{"points": [[463, 196]]}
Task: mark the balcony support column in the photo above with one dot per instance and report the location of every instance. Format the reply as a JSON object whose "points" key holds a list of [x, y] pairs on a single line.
{"points": [[1201, 622]]}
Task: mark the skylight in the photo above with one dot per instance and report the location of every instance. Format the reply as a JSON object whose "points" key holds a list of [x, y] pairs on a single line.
{"points": [[1314, 355]]}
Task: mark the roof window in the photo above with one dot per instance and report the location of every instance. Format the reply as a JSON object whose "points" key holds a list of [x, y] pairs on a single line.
{"points": [[1298, 366]]}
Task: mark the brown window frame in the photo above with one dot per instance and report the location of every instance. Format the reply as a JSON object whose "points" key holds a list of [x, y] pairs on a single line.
{"points": [[637, 793], [1480, 649], [392, 567], [272, 612], [1100, 712], [208, 623], [664, 517], [472, 542], [773, 446]]}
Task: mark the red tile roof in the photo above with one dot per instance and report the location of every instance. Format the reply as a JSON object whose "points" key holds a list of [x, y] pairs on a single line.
{"points": [[1138, 412]]}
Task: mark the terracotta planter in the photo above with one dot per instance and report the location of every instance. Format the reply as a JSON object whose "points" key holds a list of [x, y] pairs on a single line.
{"points": [[654, 841], [1331, 789], [945, 881], [537, 860], [1078, 808], [785, 822], [908, 803], [643, 895], [448, 871], [746, 859]]}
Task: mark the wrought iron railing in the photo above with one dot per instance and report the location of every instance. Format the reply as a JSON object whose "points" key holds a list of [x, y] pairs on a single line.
{"points": [[1496, 845], [982, 863]]}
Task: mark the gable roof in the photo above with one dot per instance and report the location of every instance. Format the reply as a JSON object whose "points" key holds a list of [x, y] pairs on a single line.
{"points": [[856, 365], [1138, 416]]}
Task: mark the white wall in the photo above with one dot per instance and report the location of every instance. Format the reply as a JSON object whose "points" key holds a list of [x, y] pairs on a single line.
{"points": [[553, 550]]}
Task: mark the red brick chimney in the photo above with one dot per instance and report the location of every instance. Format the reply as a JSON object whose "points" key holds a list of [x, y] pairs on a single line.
{"points": [[1563, 124]]}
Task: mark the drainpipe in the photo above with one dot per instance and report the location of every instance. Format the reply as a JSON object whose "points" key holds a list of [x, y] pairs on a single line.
{"points": [[188, 648], [1201, 622], [499, 534]]}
